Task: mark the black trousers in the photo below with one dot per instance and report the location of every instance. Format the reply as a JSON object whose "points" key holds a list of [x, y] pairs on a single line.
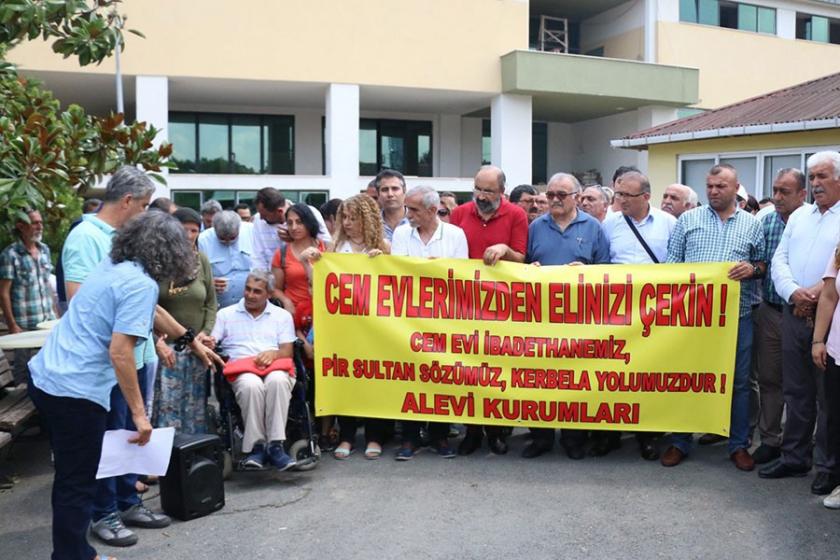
{"points": [[76, 428], [832, 408], [411, 431], [376, 429], [568, 438]]}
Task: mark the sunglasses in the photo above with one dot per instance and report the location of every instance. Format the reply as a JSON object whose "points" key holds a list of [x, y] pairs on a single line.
{"points": [[443, 212]]}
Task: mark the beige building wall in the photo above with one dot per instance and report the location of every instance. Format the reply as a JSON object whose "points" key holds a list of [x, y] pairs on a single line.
{"points": [[736, 65], [663, 159], [438, 44]]}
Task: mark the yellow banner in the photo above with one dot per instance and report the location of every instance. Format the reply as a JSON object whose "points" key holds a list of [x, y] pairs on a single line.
{"points": [[612, 347]]}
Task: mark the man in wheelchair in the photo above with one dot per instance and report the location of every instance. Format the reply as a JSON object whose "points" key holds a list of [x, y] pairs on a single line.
{"points": [[258, 338]]}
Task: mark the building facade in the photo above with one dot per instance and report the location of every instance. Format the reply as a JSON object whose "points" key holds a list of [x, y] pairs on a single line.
{"points": [[314, 97]]}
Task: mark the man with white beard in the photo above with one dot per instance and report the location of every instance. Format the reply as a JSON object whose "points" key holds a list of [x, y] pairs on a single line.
{"points": [[26, 297]]}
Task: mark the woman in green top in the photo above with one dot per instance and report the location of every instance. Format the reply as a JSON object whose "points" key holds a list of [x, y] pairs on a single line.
{"points": [[180, 387]]}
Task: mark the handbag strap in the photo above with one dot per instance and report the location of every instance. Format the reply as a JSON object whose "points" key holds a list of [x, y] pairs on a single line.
{"points": [[640, 238]]}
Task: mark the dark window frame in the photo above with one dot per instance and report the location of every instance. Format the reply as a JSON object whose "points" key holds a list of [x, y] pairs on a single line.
{"points": [[265, 121]]}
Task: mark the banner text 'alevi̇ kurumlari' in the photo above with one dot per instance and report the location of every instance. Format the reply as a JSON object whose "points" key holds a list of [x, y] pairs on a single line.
{"points": [[640, 348]]}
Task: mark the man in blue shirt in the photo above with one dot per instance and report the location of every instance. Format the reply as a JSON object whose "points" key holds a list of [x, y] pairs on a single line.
{"points": [[722, 232], [229, 251], [90, 350], [564, 236]]}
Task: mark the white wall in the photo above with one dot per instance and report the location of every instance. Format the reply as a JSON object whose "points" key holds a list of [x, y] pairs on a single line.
{"points": [[560, 142], [591, 144], [611, 23]]}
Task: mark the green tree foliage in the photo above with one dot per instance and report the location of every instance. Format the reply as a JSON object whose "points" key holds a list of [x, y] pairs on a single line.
{"points": [[49, 156]]}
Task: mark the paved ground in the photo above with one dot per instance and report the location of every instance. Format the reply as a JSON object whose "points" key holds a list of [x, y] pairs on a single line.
{"points": [[477, 507]]}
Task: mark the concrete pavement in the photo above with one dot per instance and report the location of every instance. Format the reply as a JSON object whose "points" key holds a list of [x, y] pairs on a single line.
{"points": [[481, 506]]}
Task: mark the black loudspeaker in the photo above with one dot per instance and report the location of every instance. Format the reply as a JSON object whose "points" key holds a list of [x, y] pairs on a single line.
{"points": [[193, 485]]}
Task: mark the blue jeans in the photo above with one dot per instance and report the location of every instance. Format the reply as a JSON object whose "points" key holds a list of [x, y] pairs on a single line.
{"points": [[118, 492], [739, 420], [75, 428]]}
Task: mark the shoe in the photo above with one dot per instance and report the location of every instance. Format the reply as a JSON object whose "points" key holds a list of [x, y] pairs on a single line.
{"points": [[112, 531], [278, 457], [672, 457], [326, 443], [255, 459], [778, 469], [824, 483], [140, 516], [469, 444], [443, 450], [405, 453], [766, 453], [743, 460], [711, 439], [535, 449], [497, 445], [832, 501], [602, 445], [648, 451], [575, 452]]}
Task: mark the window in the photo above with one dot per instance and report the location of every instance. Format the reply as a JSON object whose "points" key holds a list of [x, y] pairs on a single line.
{"points": [[220, 143], [756, 170], [817, 28], [402, 145], [228, 199], [732, 15], [539, 149]]}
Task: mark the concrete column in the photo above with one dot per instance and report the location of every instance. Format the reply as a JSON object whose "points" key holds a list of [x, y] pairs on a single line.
{"points": [[470, 146], [308, 143], [342, 139], [152, 106], [651, 16], [510, 134], [786, 23], [449, 152]]}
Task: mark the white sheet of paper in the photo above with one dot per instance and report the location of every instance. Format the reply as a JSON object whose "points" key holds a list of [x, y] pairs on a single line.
{"points": [[120, 457]]}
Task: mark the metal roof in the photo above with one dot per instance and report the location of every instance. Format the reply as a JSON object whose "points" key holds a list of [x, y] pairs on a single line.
{"points": [[807, 106]]}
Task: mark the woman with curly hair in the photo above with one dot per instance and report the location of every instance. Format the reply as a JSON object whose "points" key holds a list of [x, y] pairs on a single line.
{"points": [[359, 231], [181, 388]]}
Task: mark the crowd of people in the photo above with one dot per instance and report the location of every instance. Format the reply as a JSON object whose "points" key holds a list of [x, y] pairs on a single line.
{"points": [[152, 294]]}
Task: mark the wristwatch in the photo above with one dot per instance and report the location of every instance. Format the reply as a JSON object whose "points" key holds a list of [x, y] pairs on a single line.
{"points": [[757, 273]]}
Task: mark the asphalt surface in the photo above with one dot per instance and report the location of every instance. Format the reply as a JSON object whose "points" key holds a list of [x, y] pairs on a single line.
{"points": [[482, 506]]}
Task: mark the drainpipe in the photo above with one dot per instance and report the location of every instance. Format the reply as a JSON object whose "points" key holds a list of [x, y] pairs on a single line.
{"points": [[651, 17]]}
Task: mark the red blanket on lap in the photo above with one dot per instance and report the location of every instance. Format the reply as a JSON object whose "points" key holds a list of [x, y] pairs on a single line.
{"points": [[235, 368]]}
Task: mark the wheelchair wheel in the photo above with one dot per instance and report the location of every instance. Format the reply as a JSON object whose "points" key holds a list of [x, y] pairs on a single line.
{"points": [[306, 460]]}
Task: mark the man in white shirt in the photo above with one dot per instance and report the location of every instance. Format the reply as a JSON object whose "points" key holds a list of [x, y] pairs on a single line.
{"points": [[652, 224], [269, 227], [807, 244], [426, 236], [637, 219], [254, 328]]}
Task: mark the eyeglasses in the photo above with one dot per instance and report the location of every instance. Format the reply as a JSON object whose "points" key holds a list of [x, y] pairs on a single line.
{"points": [[619, 194], [485, 192], [559, 195], [443, 212]]}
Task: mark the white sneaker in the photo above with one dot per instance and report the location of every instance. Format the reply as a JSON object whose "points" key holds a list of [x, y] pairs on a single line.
{"points": [[832, 501]]}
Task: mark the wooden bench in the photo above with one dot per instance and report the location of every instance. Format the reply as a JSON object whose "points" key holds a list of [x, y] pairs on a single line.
{"points": [[15, 406]]}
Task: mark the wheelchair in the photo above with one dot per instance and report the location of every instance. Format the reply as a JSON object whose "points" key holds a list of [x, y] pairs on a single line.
{"points": [[301, 437]]}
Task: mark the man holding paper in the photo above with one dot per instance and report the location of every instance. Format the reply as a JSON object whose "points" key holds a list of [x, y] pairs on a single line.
{"points": [[90, 350]]}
